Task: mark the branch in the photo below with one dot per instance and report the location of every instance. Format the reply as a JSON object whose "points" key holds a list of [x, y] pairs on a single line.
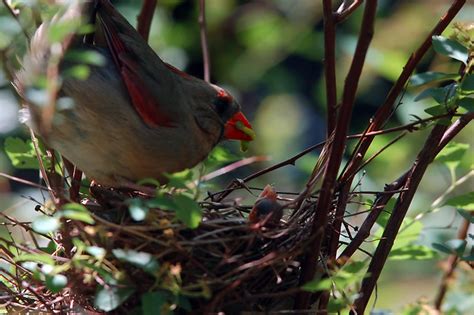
{"points": [[330, 65], [344, 12], [204, 44], [452, 264], [145, 18], [336, 152], [384, 112], [13, 14], [440, 135]]}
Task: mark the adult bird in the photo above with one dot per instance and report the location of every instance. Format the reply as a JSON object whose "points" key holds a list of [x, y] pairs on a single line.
{"points": [[133, 117]]}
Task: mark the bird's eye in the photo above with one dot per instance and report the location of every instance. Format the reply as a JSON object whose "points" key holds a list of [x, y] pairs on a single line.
{"points": [[222, 102]]}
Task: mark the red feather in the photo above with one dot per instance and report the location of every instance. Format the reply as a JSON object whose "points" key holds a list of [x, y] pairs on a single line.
{"points": [[142, 100]]}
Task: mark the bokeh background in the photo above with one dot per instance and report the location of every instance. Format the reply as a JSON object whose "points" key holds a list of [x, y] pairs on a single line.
{"points": [[269, 54]]}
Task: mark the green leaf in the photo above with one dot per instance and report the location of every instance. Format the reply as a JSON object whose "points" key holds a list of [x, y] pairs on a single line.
{"points": [[467, 84], [317, 285], [188, 211], [436, 110], [465, 202], [452, 154], [385, 214], [427, 77], [78, 212], [455, 247], [97, 252], [45, 224], [336, 305], [152, 302], [109, 298], [56, 283], [138, 209], [58, 31], [219, 156], [409, 232], [467, 103], [37, 258], [179, 179], [142, 260], [80, 72], [468, 215], [438, 94], [90, 57], [412, 252], [450, 48], [161, 201], [21, 153]]}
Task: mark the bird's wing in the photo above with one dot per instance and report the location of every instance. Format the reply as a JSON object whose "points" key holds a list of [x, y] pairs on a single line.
{"points": [[129, 50]]}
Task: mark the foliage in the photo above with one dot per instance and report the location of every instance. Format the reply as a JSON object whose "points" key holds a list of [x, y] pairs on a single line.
{"points": [[174, 247]]}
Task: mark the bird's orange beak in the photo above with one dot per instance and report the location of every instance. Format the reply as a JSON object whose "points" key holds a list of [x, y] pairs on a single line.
{"points": [[238, 128]]}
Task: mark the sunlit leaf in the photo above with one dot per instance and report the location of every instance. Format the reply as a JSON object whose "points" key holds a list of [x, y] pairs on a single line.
{"points": [[58, 31], [179, 179], [90, 57], [80, 72], [138, 209], [109, 298], [450, 48], [465, 202], [452, 154], [21, 153], [427, 77], [37, 258], [188, 211], [336, 305], [56, 283], [45, 224], [97, 252], [142, 260], [78, 212], [412, 252], [317, 285]]}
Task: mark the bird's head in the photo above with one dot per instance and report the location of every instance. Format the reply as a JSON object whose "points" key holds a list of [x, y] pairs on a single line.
{"points": [[236, 125]]}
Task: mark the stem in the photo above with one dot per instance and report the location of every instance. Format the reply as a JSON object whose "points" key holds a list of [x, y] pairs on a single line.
{"points": [[385, 110], [330, 65], [145, 18], [336, 152], [204, 43], [344, 12], [452, 263]]}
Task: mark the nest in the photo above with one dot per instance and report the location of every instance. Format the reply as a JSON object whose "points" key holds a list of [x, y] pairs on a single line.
{"points": [[226, 264]]}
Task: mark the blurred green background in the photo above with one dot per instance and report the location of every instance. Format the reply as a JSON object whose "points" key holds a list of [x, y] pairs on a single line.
{"points": [[269, 54]]}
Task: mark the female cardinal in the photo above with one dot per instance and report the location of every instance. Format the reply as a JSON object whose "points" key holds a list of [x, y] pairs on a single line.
{"points": [[134, 117]]}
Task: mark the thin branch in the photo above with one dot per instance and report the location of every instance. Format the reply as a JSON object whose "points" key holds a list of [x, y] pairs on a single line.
{"points": [[440, 135], [233, 166], [204, 43], [13, 14], [145, 18], [330, 65], [336, 152], [384, 112], [343, 12], [292, 160], [453, 261], [24, 181], [376, 209]]}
